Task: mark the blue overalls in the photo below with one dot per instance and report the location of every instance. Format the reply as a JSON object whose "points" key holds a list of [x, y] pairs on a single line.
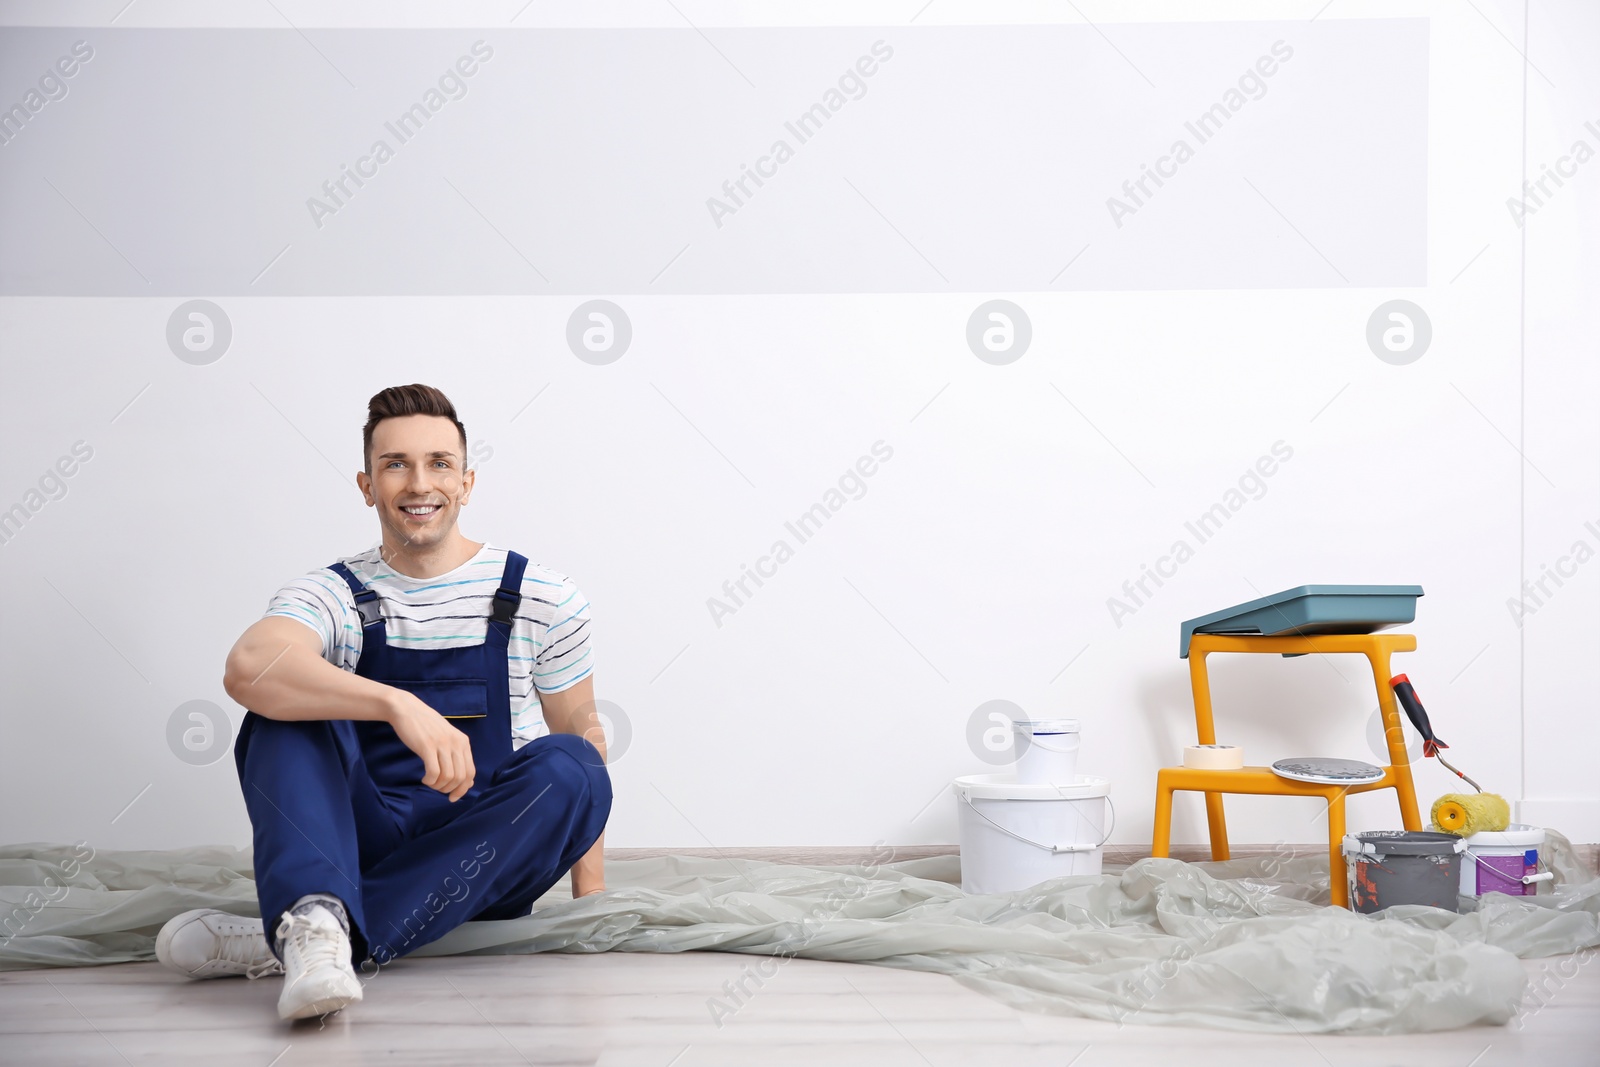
{"points": [[338, 805]]}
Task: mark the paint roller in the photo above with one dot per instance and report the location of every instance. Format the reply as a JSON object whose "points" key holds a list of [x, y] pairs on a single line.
{"points": [[1462, 814]]}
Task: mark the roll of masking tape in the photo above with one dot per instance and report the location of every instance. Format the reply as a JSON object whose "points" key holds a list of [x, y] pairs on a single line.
{"points": [[1213, 757]]}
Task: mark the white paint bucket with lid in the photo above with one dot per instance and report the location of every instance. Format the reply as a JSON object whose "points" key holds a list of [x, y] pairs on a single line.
{"points": [[1504, 862], [1047, 750], [1017, 834]]}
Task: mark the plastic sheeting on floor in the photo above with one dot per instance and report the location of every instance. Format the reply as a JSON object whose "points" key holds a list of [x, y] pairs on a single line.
{"points": [[1243, 944]]}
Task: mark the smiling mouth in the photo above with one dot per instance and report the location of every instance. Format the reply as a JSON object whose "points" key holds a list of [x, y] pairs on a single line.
{"points": [[422, 512]]}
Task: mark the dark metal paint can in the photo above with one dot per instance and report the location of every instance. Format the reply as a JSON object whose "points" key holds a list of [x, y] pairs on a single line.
{"points": [[1388, 867]]}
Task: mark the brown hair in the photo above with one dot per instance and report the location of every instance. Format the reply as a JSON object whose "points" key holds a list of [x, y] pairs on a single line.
{"points": [[399, 400]]}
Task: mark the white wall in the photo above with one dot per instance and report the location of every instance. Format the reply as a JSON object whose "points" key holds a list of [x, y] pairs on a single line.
{"points": [[832, 708]]}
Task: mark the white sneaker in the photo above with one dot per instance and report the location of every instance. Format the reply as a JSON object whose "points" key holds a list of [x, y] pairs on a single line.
{"points": [[318, 978], [207, 943]]}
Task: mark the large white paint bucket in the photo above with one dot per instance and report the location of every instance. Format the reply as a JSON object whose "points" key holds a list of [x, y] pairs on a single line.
{"points": [[1017, 834], [1047, 750], [1504, 862]]}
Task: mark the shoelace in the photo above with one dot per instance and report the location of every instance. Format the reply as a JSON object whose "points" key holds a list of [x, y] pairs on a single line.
{"points": [[310, 940], [241, 948], [257, 970]]}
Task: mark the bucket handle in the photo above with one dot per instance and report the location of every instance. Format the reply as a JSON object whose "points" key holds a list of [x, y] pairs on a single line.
{"points": [[1036, 740], [1054, 850], [1526, 879]]}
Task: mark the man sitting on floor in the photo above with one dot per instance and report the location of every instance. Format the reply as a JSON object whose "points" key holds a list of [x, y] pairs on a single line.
{"points": [[394, 769]]}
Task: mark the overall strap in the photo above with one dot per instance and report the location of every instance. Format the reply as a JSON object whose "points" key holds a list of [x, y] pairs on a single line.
{"points": [[506, 600], [366, 599]]}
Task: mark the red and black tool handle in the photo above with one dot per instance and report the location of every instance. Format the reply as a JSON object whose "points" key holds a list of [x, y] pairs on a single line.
{"points": [[1407, 695]]}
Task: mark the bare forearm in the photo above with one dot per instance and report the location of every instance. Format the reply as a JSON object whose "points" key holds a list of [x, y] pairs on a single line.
{"points": [[292, 682], [589, 873]]}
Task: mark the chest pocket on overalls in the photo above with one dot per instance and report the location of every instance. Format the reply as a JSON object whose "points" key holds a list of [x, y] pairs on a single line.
{"points": [[464, 704], [454, 698]]}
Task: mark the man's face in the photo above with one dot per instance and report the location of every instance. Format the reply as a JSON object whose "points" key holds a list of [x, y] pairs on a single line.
{"points": [[417, 464]]}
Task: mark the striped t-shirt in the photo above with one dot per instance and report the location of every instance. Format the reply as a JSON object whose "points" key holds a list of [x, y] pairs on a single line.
{"points": [[549, 648]]}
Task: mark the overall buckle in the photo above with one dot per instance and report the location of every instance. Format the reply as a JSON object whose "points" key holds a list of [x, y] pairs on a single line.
{"points": [[506, 602], [367, 605]]}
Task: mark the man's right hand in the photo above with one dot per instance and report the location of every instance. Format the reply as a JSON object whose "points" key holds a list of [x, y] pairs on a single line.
{"points": [[445, 751], [277, 670]]}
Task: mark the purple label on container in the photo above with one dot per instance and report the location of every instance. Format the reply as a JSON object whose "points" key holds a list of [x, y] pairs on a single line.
{"points": [[1503, 874]]}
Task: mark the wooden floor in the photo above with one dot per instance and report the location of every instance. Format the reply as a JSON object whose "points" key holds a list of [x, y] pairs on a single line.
{"points": [[652, 1011], [656, 1011]]}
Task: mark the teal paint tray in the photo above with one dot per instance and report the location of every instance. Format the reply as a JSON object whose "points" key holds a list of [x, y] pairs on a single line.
{"points": [[1310, 609]]}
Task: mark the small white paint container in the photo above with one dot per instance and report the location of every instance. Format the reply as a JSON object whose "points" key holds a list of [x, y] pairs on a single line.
{"points": [[1047, 750]]}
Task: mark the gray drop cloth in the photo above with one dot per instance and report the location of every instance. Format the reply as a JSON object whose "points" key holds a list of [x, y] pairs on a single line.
{"points": [[1240, 945]]}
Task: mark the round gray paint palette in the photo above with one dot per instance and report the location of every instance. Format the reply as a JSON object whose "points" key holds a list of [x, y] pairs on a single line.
{"points": [[1327, 771]]}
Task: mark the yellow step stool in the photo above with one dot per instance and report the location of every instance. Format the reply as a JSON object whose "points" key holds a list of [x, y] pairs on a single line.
{"points": [[1260, 780]]}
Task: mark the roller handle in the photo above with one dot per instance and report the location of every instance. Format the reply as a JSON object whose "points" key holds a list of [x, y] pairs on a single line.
{"points": [[1407, 695]]}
